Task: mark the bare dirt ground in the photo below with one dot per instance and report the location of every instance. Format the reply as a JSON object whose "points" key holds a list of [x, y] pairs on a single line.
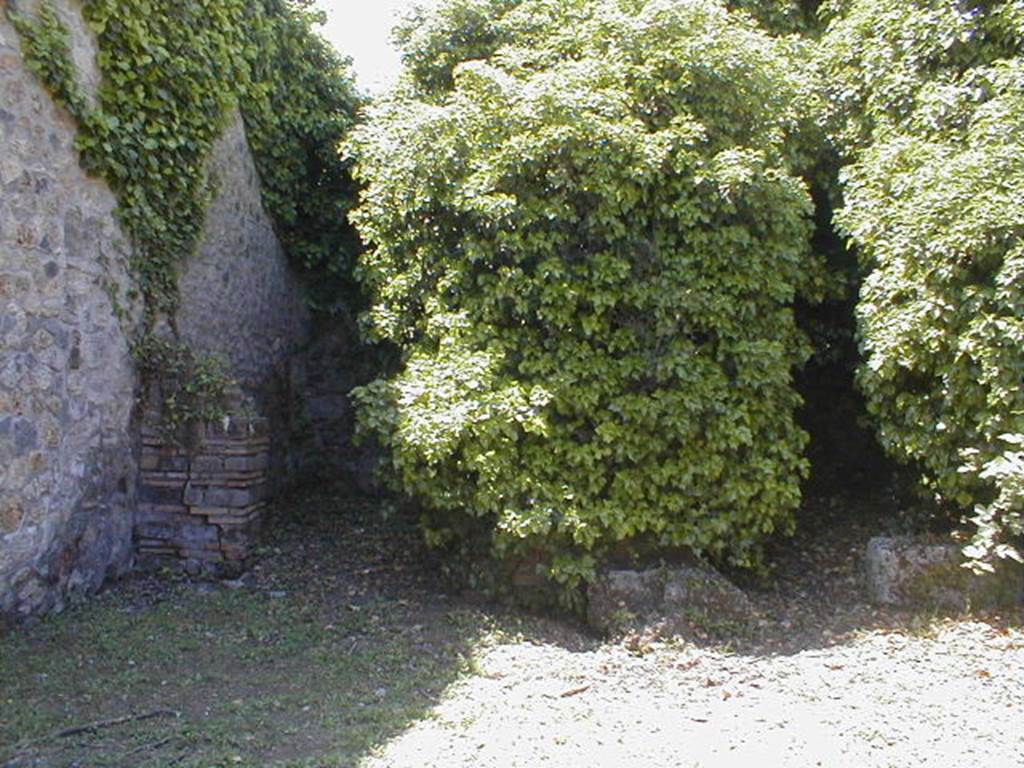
{"points": [[345, 649]]}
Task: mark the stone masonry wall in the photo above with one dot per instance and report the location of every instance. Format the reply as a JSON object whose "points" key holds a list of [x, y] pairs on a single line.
{"points": [[69, 436], [67, 472], [239, 299], [322, 435], [200, 507]]}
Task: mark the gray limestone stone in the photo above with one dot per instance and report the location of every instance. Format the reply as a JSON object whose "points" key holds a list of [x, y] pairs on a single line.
{"points": [[926, 571], [618, 598], [675, 599]]}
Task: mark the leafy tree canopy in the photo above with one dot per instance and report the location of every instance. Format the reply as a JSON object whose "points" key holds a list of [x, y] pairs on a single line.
{"points": [[929, 100]]}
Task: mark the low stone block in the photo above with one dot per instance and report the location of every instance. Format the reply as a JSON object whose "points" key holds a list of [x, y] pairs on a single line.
{"points": [[926, 571], [230, 497], [616, 599], [705, 597], [149, 460], [250, 464], [198, 537], [150, 493], [166, 530], [163, 478], [675, 600], [149, 549], [207, 464], [244, 520], [204, 509], [173, 462], [161, 513], [195, 495]]}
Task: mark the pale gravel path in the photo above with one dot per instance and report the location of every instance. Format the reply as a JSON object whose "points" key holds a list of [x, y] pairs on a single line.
{"points": [[883, 699]]}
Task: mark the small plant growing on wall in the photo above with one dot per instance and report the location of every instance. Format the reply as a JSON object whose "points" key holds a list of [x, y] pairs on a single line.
{"points": [[187, 388]]}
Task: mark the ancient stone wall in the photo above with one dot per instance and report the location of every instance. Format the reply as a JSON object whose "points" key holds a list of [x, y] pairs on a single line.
{"points": [[69, 433], [67, 473], [239, 299], [321, 433]]}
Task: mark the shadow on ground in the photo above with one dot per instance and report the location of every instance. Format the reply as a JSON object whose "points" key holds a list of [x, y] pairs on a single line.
{"points": [[338, 642]]}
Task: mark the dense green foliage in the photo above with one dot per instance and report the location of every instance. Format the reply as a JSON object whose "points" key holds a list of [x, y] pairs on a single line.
{"points": [[188, 388], [434, 40], [587, 247], [298, 108], [48, 54], [588, 228], [929, 96], [781, 16], [170, 73]]}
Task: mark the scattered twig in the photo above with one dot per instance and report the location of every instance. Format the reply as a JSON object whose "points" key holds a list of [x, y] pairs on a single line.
{"points": [[92, 727], [573, 691], [150, 747]]}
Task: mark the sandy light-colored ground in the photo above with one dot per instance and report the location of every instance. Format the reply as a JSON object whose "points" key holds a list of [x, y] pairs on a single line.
{"points": [[883, 699]]}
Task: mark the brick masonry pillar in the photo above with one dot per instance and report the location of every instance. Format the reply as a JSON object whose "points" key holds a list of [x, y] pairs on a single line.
{"points": [[200, 508]]}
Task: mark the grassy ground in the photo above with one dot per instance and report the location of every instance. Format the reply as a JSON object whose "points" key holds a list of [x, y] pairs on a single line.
{"points": [[335, 644], [343, 649]]}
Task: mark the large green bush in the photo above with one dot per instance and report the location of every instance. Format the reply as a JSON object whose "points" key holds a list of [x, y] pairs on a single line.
{"points": [[587, 246], [930, 101]]}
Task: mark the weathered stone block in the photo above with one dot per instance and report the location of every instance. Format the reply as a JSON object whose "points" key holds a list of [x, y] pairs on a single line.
{"points": [[195, 495], [149, 460], [207, 464], [161, 512], [229, 497], [704, 596], [150, 493], [173, 462], [198, 536], [925, 571], [618, 598], [677, 600], [249, 464]]}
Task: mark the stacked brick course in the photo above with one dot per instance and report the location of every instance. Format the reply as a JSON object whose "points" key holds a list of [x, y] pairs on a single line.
{"points": [[200, 507]]}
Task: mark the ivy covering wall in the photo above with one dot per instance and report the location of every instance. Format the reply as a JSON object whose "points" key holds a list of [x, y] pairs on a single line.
{"points": [[170, 74]]}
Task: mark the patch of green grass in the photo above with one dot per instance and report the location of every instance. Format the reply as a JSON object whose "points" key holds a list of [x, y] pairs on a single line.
{"points": [[341, 639], [255, 680]]}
